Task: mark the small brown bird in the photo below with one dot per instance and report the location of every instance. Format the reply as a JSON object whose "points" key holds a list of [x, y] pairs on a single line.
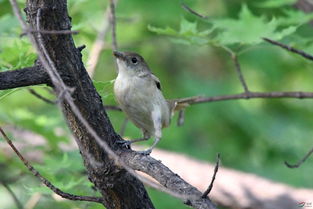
{"points": [[138, 92]]}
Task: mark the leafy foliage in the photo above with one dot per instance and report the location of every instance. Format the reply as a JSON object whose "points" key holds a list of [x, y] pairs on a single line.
{"points": [[248, 29]]}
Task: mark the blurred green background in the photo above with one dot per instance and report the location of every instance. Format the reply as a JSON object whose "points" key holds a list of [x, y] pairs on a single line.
{"points": [[188, 55]]}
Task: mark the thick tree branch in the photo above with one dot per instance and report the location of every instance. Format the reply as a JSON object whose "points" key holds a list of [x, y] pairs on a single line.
{"points": [[23, 77], [167, 178], [44, 180]]}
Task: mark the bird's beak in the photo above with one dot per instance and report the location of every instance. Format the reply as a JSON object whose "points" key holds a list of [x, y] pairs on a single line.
{"points": [[119, 55]]}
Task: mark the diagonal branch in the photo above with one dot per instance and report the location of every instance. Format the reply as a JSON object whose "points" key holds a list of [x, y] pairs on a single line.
{"points": [[167, 178], [99, 43], [44, 180], [188, 9], [213, 177], [289, 48]]}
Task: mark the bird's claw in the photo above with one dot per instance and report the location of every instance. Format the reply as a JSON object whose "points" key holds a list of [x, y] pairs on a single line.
{"points": [[145, 152], [124, 143]]}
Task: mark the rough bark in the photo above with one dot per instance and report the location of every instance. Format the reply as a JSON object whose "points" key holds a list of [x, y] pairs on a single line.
{"points": [[119, 189], [23, 77]]}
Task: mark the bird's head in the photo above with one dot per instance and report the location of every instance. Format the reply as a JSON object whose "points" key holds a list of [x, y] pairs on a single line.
{"points": [[130, 63]]}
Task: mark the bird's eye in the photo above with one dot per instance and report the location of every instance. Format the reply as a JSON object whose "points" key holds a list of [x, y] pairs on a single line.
{"points": [[134, 60]]}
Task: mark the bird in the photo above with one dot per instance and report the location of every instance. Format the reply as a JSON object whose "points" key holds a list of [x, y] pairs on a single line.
{"points": [[138, 92]]}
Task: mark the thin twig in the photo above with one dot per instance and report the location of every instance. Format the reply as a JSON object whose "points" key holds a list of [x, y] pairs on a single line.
{"points": [[98, 44], [33, 92], [297, 165], [44, 180], [16, 200], [289, 48], [113, 24], [254, 95], [188, 9], [239, 73], [205, 194], [64, 32]]}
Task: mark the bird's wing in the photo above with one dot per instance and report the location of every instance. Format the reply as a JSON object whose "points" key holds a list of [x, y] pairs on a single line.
{"points": [[157, 81]]}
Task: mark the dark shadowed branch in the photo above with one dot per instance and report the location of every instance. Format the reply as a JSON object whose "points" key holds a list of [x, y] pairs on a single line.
{"points": [[188, 9], [210, 187], [44, 180]]}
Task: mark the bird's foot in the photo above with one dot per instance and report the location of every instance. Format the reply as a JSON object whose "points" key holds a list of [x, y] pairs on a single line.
{"points": [[124, 143], [145, 152]]}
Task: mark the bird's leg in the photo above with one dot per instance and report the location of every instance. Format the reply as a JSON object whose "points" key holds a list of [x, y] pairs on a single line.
{"points": [[157, 123], [148, 151], [126, 143]]}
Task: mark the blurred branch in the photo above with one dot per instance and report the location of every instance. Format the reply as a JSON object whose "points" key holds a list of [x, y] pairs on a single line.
{"points": [[289, 48], [16, 200], [188, 9], [213, 177], [99, 43], [300, 162], [44, 180], [113, 24]]}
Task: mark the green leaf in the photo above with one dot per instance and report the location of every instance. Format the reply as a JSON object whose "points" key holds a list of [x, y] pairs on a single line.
{"points": [[295, 17], [249, 29], [163, 31], [102, 87], [188, 33]]}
